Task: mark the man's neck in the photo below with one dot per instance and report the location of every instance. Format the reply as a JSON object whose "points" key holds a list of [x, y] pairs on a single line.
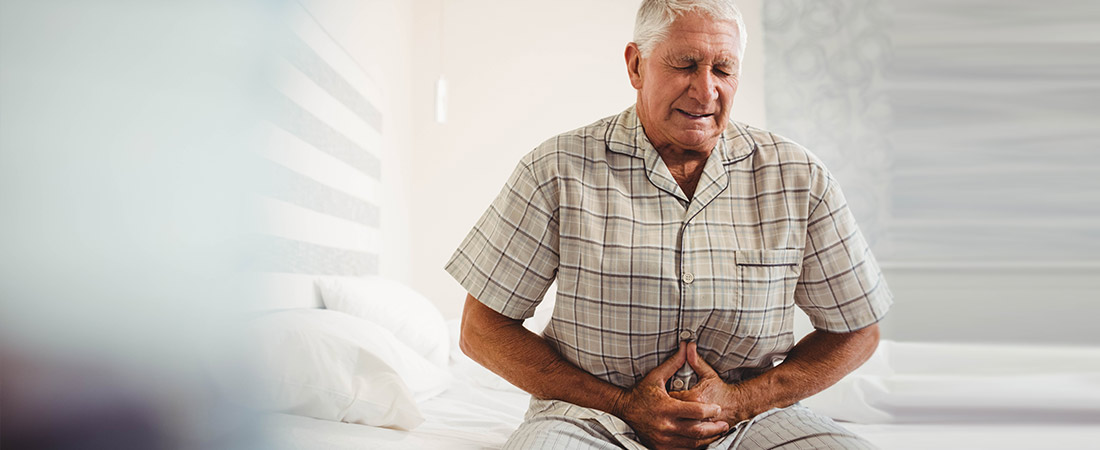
{"points": [[686, 166]]}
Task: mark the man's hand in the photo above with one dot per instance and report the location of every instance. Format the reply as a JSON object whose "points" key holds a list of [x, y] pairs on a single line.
{"points": [[688, 419], [502, 345], [712, 389], [815, 363], [505, 347], [664, 422]]}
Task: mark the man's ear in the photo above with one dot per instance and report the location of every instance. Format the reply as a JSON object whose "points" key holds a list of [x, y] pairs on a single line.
{"points": [[634, 65]]}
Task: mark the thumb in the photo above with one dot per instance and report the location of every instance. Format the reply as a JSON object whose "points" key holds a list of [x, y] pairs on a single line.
{"points": [[698, 363], [668, 368]]}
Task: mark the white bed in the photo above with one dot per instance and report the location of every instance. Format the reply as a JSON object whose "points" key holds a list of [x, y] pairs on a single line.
{"points": [[908, 396], [459, 429]]}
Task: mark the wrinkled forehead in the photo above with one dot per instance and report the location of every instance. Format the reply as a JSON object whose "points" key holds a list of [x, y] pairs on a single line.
{"points": [[689, 55], [699, 37]]}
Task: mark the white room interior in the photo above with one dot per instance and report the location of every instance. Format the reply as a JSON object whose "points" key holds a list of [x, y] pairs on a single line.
{"points": [[141, 142], [519, 72]]}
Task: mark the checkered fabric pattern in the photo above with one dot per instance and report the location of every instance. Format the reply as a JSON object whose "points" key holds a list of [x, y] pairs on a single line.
{"points": [[553, 424], [641, 267]]}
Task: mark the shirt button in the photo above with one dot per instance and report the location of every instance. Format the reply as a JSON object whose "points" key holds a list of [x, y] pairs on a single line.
{"points": [[685, 335], [687, 277], [677, 384]]}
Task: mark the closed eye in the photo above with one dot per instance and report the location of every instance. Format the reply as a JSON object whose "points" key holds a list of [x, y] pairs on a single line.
{"points": [[724, 69]]}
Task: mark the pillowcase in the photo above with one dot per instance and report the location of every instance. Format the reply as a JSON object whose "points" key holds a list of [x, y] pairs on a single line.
{"points": [[333, 366], [398, 308]]}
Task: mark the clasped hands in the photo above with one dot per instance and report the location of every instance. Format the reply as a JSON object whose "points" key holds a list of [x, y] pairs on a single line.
{"points": [[688, 419]]}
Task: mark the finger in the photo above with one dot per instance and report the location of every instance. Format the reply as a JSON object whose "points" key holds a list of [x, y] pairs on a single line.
{"points": [[668, 368], [691, 396], [698, 363], [693, 410], [701, 429], [695, 434]]}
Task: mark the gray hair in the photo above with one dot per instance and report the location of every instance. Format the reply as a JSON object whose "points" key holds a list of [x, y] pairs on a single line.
{"points": [[655, 16]]}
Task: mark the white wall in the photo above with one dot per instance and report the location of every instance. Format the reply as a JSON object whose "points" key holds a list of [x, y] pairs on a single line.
{"points": [[518, 74]]}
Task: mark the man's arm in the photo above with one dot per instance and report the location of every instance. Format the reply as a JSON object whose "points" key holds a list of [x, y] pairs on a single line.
{"points": [[504, 346], [818, 361]]}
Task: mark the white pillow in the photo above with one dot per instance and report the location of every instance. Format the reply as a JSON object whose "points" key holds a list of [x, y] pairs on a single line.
{"points": [[330, 365], [403, 311]]}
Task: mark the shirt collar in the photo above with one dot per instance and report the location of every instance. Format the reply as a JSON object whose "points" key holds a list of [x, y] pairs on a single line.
{"points": [[625, 135]]}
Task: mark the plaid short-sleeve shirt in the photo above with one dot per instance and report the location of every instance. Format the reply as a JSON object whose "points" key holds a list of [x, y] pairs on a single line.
{"points": [[640, 267]]}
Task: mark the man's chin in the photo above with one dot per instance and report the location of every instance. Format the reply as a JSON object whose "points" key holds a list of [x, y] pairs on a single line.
{"points": [[700, 142]]}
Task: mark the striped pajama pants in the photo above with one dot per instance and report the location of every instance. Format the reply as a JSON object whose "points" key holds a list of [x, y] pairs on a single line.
{"points": [[552, 424]]}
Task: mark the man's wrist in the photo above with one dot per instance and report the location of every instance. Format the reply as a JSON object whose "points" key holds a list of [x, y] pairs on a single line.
{"points": [[741, 404], [759, 394], [618, 402]]}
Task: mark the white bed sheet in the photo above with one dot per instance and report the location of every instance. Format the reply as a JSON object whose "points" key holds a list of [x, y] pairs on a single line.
{"points": [[943, 404], [466, 416], [456, 423]]}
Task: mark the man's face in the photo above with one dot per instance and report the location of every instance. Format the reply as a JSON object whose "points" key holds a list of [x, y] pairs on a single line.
{"points": [[686, 85]]}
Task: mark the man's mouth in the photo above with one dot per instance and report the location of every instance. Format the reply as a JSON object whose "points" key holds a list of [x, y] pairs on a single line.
{"points": [[695, 116]]}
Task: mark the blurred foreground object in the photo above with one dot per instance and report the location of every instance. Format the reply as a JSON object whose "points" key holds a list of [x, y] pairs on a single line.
{"points": [[124, 187]]}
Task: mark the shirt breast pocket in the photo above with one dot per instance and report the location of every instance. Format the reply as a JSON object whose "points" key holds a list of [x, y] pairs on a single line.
{"points": [[766, 279]]}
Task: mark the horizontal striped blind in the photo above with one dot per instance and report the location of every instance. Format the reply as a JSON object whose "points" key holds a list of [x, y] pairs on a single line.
{"points": [[963, 132]]}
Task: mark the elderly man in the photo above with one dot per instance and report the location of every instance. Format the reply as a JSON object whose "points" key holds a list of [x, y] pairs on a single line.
{"points": [[681, 242]]}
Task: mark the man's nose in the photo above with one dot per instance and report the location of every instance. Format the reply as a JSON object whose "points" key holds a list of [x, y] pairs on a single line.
{"points": [[704, 88]]}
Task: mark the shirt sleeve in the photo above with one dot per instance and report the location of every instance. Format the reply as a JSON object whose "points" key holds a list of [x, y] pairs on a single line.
{"points": [[841, 287], [510, 257]]}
